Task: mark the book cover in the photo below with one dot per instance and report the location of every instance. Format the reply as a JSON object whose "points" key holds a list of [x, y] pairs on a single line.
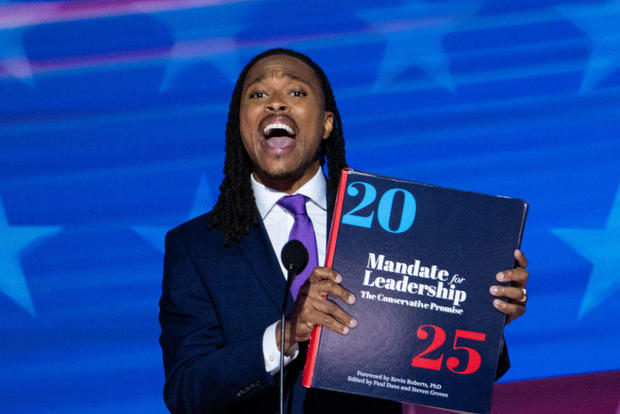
{"points": [[420, 260]]}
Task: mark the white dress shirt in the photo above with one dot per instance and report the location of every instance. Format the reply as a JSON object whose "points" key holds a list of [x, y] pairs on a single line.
{"points": [[278, 223]]}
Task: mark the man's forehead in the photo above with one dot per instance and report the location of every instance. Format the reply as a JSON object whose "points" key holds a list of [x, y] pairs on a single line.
{"points": [[284, 66]]}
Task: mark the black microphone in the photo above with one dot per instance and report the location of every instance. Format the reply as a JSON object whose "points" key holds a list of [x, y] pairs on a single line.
{"points": [[294, 257]]}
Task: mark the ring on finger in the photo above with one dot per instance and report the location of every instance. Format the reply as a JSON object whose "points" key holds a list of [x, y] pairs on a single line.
{"points": [[524, 295]]}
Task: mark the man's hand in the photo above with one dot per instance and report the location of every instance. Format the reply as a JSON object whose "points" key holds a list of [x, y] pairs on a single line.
{"points": [[312, 309], [516, 293]]}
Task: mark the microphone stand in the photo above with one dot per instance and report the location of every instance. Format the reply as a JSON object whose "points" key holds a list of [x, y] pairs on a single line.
{"points": [[289, 281], [295, 258]]}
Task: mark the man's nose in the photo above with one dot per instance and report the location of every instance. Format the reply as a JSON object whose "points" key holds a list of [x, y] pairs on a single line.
{"points": [[277, 103]]}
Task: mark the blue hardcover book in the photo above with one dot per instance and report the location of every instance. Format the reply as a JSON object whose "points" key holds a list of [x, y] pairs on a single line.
{"points": [[420, 260]]}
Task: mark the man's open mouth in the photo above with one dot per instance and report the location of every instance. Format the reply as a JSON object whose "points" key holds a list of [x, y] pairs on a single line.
{"points": [[278, 129], [278, 135]]}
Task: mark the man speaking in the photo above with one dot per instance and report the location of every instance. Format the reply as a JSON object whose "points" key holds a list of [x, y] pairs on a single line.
{"points": [[224, 285]]}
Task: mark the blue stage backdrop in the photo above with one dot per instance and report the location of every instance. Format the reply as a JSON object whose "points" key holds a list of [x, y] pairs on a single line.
{"points": [[112, 117]]}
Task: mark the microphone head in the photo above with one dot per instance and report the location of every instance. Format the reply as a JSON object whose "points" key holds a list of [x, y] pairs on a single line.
{"points": [[294, 256]]}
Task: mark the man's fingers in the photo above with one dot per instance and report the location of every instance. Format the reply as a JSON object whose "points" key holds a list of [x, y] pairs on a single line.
{"points": [[324, 281], [333, 311], [512, 310], [520, 258], [327, 287], [313, 308], [324, 273], [332, 317], [515, 293], [518, 275]]}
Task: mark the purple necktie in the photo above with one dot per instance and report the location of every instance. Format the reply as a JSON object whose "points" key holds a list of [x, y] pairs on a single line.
{"points": [[304, 232]]}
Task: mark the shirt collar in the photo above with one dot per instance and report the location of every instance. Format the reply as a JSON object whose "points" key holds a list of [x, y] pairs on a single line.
{"points": [[266, 197]]}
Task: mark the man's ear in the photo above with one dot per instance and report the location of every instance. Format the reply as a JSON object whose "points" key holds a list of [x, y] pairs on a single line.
{"points": [[328, 124]]}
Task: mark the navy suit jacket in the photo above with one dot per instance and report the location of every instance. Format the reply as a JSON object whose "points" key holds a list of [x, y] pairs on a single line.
{"points": [[216, 302]]}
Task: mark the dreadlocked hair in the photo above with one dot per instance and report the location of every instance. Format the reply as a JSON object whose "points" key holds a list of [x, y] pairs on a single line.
{"points": [[235, 210]]}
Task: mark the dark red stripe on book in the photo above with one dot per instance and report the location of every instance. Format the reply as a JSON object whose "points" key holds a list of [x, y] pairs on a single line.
{"points": [[313, 346]]}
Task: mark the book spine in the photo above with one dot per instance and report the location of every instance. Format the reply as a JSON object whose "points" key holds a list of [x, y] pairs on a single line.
{"points": [[313, 346]]}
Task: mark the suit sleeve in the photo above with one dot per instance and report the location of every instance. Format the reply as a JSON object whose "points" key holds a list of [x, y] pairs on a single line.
{"points": [[204, 373]]}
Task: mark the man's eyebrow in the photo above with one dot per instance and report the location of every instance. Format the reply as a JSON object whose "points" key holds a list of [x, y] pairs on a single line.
{"points": [[290, 75], [260, 78]]}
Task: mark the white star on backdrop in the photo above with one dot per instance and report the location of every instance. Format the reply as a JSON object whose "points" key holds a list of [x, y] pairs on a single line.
{"points": [[13, 58], [601, 22], [414, 34], [15, 19], [602, 248], [14, 239], [203, 202], [204, 34]]}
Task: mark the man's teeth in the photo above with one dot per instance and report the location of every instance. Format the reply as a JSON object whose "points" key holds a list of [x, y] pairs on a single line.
{"points": [[285, 127]]}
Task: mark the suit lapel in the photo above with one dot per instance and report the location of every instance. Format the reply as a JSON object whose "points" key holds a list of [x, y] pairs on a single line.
{"points": [[259, 253]]}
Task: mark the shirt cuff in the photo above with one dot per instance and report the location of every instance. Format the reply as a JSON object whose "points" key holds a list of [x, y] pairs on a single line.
{"points": [[271, 353]]}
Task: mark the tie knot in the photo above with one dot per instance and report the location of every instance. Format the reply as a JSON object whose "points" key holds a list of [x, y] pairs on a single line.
{"points": [[295, 204]]}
